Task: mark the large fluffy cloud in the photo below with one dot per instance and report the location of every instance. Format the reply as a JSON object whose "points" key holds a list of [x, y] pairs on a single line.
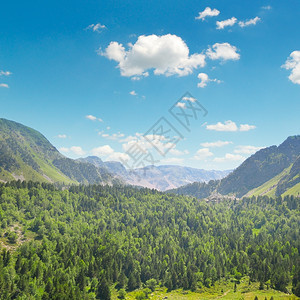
{"points": [[293, 63], [223, 51], [167, 55]]}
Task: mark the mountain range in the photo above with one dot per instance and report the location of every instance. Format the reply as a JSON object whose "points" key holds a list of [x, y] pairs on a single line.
{"points": [[272, 171], [162, 177], [26, 154]]}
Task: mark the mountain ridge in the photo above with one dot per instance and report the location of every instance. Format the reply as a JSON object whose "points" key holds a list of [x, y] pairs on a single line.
{"points": [[160, 177], [26, 154], [255, 171]]}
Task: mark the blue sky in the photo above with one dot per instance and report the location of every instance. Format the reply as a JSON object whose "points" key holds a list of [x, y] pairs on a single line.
{"points": [[94, 76]]}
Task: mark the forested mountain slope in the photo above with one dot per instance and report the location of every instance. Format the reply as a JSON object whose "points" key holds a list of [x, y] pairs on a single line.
{"points": [[258, 169], [27, 155], [76, 243]]}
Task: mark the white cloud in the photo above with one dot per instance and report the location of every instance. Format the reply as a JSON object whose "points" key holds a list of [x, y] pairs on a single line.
{"points": [[205, 79], [268, 7], [229, 126], [246, 127], [181, 105], [109, 153], [167, 55], [5, 73], [114, 136], [62, 136], [133, 93], [64, 149], [293, 63], [103, 151], [4, 85], [226, 126], [229, 157], [225, 23], [172, 160], [77, 150], [96, 27], [208, 12], [191, 99], [159, 143], [249, 22], [119, 156], [223, 51], [203, 153], [216, 144], [177, 152], [246, 149], [135, 78], [93, 118]]}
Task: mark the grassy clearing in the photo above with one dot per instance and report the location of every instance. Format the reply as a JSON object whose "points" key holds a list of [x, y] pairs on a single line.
{"points": [[295, 190], [14, 236], [221, 290], [269, 187]]}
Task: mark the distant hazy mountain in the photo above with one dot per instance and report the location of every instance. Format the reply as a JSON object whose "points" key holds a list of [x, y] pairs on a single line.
{"points": [[27, 155], [270, 171], [159, 177]]}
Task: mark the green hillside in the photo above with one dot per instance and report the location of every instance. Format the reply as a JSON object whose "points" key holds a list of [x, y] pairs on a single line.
{"points": [[26, 154], [270, 171], [110, 242], [285, 183]]}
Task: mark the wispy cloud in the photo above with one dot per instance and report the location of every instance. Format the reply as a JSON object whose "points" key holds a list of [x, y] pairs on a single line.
{"points": [[114, 136], [229, 126], [96, 27], [249, 22], [267, 7], [215, 144], [133, 93], [4, 85], [5, 73], [246, 149], [246, 127], [203, 154], [229, 22], [62, 136], [109, 153], [75, 149], [191, 99], [93, 118], [229, 158], [207, 12]]}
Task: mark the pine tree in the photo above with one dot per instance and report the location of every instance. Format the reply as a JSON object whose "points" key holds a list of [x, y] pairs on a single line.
{"points": [[103, 290]]}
